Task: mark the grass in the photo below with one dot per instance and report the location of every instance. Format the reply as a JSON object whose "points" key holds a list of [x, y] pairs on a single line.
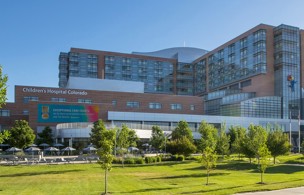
{"points": [[166, 178]]}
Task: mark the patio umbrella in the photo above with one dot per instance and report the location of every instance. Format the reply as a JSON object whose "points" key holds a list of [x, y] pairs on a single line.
{"points": [[58, 145], [44, 145], [13, 149], [51, 149], [68, 149], [131, 149], [33, 145], [32, 150], [89, 149]]}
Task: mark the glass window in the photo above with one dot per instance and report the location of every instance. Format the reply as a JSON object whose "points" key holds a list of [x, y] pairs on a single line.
{"points": [[246, 83], [4, 113], [30, 98], [58, 99], [86, 101], [114, 102], [176, 106], [25, 112], [155, 105], [133, 104], [192, 107]]}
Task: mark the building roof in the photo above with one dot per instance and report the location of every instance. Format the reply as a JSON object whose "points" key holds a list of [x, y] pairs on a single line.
{"points": [[182, 54]]}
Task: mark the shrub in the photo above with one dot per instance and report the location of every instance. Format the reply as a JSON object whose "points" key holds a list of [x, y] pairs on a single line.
{"points": [[139, 161], [158, 159], [130, 161], [181, 158]]}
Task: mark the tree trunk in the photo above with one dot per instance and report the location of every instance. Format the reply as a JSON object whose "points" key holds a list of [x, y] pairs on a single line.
{"points": [[274, 159], [207, 178], [239, 156], [106, 181], [262, 177]]}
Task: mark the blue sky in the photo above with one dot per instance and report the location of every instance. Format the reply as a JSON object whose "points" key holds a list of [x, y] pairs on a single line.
{"points": [[34, 32]]}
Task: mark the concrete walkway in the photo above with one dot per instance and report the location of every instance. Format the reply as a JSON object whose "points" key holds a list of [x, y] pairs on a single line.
{"points": [[287, 191]]}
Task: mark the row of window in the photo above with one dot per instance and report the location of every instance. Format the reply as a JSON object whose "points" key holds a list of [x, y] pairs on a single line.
{"points": [[129, 104]]}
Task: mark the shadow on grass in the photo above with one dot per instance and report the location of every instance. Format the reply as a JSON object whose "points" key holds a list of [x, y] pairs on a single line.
{"points": [[164, 163], [146, 190], [288, 169], [234, 165], [209, 190], [39, 173], [189, 176]]}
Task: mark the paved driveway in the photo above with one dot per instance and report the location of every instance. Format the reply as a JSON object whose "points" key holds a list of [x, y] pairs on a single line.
{"points": [[288, 191]]}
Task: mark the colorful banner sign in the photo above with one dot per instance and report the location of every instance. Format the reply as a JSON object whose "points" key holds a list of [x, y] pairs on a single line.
{"points": [[56, 113]]}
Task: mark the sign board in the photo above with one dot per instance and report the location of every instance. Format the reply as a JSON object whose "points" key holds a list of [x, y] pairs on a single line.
{"points": [[56, 113]]}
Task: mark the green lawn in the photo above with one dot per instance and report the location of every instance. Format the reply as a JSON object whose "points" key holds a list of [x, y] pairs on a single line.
{"points": [[166, 178]]}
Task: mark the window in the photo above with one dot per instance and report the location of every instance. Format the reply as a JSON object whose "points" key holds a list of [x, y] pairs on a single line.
{"points": [[243, 42], [86, 101], [133, 104], [231, 48], [192, 107], [25, 112], [30, 98], [155, 105], [114, 102], [4, 113], [246, 83], [58, 100], [176, 106]]}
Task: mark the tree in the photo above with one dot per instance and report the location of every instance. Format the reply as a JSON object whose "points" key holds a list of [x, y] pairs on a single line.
{"points": [[264, 155], [45, 136], [208, 159], [3, 87], [4, 136], [302, 146], [181, 146], [21, 134], [157, 138], [278, 143], [105, 151], [239, 140], [122, 137], [209, 136], [255, 138], [222, 146], [182, 130], [132, 138], [96, 131]]}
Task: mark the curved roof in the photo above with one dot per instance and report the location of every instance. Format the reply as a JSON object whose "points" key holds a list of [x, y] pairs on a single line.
{"points": [[182, 54]]}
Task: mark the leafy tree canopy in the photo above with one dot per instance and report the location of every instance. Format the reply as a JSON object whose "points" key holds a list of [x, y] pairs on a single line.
{"points": [[96, 132], [278, 143], [45, 136], [22, 135], [182, 130], [209, 136], [3, 87], [157, 138]]}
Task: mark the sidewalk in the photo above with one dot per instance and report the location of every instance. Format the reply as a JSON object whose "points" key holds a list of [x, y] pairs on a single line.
{"points": [[287, 191]]}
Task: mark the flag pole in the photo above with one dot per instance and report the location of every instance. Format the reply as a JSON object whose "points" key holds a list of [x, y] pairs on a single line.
{"points": [[290, 130], [299, 144]]}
